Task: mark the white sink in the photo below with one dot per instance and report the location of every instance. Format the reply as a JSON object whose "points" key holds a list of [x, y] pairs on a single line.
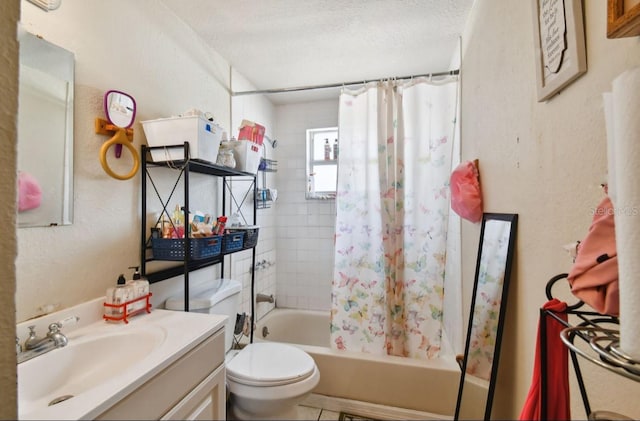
{"points": [[89, 360], [104, 362]]}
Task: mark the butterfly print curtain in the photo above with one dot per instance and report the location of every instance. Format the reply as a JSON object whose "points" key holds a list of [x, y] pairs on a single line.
{"points": [[392, 211]]}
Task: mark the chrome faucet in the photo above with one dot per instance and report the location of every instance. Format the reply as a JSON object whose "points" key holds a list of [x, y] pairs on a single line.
{"points": [[35, 346]]}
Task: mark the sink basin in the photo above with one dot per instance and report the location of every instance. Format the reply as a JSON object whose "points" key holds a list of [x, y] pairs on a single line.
{"points": [[90, 359], [103, 363]]}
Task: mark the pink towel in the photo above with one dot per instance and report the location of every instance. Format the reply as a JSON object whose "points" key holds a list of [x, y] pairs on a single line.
{"points": [[594, 275], [29, 192]]}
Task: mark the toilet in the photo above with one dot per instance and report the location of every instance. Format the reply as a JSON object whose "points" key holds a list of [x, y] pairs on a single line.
{"points": [[266, 380]]}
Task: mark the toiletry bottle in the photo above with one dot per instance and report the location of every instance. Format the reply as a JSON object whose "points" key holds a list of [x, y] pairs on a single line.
{"points": [[327, 150], [335, 149], [140, 288], [117, 295]]}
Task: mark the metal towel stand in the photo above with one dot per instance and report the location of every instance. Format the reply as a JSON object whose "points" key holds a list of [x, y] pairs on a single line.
{"points": [[589, 331]]}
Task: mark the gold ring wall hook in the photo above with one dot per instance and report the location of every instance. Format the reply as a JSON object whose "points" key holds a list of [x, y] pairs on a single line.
{"points": [[121, 136]]}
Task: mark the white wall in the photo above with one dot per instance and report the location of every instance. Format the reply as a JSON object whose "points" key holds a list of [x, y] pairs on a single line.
{"points": [[141, 48], [305, 228], [544, 161], [9, 15]]}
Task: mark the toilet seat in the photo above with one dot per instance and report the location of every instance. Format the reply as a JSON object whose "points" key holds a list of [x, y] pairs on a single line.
{"points": [[270, 364]]}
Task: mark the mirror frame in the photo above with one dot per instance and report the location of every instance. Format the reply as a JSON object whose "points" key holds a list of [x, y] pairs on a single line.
{"points": [[513, 219], [106, 103]]}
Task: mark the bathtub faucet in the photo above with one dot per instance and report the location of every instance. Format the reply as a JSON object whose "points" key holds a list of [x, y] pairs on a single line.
{"points": [[264, 298]]}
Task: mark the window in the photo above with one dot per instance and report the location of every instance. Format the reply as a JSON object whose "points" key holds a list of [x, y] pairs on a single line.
{"points": [[322, 163]]}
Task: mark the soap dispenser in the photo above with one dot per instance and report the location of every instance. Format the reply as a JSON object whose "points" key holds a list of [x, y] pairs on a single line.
{"points": [[119, 294], [140, 288]]}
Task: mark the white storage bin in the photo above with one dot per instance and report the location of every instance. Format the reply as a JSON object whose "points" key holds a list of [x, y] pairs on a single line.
{"points": [[203, 136], [247, 154]]}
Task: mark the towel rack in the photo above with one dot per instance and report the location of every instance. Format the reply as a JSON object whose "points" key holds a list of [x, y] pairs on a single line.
{"points": [[594, 338]]}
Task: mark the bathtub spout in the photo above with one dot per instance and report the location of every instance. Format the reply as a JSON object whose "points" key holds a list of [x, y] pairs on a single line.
{"points": [[264, 298]]}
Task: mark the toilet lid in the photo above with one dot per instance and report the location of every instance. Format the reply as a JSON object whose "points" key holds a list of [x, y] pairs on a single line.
{"points": [[270, 364]]}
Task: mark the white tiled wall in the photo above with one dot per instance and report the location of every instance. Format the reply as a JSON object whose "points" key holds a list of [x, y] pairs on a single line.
{"points": [[258, 109], [305, 228]]}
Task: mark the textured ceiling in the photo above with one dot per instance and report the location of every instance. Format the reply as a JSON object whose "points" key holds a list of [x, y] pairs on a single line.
{"points": [[290, 43]]}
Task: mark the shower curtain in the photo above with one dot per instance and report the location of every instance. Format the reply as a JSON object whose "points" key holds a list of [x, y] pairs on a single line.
{"points": [[392, 211]]}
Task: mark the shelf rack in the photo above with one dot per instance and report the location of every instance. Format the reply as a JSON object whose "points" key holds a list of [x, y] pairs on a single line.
{"points": [[184, 168], [595, 338], [264, 198]]}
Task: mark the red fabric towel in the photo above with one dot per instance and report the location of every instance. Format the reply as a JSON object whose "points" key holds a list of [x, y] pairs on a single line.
{"points": [[557, 372]]}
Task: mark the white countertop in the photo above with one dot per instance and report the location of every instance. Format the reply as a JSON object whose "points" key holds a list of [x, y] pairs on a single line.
{"points": [[182, 332]]}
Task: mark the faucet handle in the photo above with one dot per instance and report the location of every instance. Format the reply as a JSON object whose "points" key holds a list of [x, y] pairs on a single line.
{"points": [[33, 339], [18, 346], [54, 328]]}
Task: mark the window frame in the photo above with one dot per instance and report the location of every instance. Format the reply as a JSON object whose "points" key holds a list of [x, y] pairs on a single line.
{"points": [[311, 163]]}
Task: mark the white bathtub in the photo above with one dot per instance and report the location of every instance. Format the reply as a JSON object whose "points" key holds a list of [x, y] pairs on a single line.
{"points": [[425, 386]]}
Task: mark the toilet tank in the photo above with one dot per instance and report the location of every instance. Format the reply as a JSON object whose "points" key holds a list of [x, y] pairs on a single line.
{"points": [[221, 296]]}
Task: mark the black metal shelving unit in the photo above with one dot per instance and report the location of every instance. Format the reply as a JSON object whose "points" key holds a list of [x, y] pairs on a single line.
{"points": [[184, 168]]}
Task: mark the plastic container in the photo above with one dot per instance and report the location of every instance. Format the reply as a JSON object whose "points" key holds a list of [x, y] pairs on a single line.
{"points": [[203, 136], [247, 155], [232, 241], [250, 233]]}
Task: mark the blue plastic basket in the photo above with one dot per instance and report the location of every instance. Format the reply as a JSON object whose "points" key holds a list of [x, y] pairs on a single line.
{"points": [[232, 242], [173, 248], [250, 233]]}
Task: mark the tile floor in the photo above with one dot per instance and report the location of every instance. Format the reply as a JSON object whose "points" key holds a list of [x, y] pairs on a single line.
{"points": [[307, 413], [311, 413]]}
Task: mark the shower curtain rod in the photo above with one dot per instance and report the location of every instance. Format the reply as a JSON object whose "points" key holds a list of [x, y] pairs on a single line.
{"points": [[337, 85]]}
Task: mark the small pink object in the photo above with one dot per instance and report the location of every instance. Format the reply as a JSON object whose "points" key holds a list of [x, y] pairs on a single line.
{"points": [[29, 192], [466, 196]]}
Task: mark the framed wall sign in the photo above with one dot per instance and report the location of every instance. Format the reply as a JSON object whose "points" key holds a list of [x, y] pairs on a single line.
{"points": [[623, 18], [559, 45]]}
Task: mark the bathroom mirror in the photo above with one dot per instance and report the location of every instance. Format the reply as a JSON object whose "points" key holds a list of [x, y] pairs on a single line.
{"points": [[486, 318], [45, 133]]}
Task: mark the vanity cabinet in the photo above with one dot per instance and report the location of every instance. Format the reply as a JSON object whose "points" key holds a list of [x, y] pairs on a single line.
{"points": [[183, 169], [192, 388]]}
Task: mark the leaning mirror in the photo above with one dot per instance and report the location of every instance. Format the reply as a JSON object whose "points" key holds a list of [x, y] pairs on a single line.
{"points": [[45, 133], [486, 318]]}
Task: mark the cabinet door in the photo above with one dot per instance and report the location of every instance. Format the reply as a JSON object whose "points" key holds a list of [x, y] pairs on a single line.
{"points": [[207, 401]]}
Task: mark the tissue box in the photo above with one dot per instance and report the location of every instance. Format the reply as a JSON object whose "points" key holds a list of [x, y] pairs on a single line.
{"points": [[247, 155], [203, 136]]}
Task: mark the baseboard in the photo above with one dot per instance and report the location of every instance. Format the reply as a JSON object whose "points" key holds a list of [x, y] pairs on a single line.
{"points": [[367, 409]]}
